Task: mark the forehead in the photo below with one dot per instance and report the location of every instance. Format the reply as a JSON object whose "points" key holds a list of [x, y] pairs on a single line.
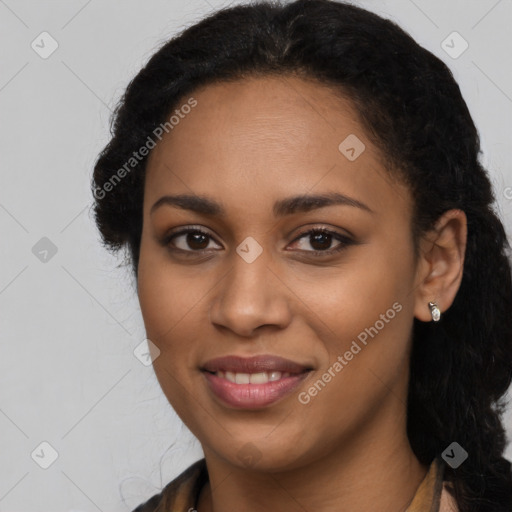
{"points": [[268, 137]]}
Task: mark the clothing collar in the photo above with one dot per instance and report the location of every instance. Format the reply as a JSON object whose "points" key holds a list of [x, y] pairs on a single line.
{"points": [[181, 495]]}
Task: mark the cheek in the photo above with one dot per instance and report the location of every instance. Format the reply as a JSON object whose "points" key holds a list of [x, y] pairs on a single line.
{"points": [[167, 306], [166, 298], [352, 297], [365, 313], [172, 304]]}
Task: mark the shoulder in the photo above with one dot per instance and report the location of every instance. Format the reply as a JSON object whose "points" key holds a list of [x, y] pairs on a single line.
{"points": [[181, 493]]}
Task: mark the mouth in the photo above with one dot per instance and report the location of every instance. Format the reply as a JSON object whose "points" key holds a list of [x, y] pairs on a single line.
{"points": [[251, 378], [255, 364], [254, 382]]}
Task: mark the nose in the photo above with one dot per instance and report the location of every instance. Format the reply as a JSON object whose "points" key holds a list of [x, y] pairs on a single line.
{"points": [[251, 296]]}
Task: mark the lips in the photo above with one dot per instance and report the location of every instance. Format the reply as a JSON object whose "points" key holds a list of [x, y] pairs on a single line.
{"points": [[255, 364], [253, 382]]}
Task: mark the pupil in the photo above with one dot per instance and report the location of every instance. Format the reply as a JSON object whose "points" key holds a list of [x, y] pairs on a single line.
{"points": [[317, 238], [192, 238]]}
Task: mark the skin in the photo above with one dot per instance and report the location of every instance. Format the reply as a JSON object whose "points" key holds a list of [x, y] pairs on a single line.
{"points": [[246, 145]]}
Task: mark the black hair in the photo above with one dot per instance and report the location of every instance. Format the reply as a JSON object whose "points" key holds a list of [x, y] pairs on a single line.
{"points": [[413, 110]]}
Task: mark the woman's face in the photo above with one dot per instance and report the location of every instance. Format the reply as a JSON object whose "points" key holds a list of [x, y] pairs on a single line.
{"points": [[258, 282]]}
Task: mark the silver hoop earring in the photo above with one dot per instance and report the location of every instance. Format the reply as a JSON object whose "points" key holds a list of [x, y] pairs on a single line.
{"points": [[434, 311]]}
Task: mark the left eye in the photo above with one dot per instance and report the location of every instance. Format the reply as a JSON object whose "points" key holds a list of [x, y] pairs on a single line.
{"points": [[321, 240], [198, 240]]}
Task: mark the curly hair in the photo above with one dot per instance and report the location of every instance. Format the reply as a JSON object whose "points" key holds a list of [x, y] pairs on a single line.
{"points": [[413, 110]]}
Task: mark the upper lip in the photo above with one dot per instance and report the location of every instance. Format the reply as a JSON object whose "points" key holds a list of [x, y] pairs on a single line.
{"points": [[255, 364]]}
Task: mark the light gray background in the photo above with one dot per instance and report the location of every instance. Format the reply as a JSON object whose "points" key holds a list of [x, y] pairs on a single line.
{"points": [[69, 325]]}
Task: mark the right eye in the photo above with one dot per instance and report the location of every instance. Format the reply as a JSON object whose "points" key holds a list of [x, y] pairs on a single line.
{"points": [[193, 240]]}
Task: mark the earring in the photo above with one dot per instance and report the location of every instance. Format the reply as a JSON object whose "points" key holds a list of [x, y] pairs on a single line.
{"points": [[434, 311]]}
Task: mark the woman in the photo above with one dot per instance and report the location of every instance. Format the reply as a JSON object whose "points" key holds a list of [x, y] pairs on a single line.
{"points": [[319, 267]]}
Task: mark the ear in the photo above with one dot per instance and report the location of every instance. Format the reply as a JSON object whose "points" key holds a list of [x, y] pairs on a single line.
{"points": [[440, 265]]}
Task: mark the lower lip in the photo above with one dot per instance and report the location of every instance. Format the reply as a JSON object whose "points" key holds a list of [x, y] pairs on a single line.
{"points": [[252, 396]]}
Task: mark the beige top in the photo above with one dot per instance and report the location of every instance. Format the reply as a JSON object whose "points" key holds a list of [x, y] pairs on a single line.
{"points": [[182, 493]]}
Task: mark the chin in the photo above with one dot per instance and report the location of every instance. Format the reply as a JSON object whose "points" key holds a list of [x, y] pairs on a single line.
{"points": [[262, 455]]}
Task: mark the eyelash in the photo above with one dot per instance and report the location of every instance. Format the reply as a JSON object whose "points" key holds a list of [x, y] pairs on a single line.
{"points": [[344, 241]]}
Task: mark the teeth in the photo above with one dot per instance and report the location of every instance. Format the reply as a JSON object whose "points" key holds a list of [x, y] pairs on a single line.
{"points": [[252, 378], [273, 376], [228, 376], [259, 378], [242, 378]]}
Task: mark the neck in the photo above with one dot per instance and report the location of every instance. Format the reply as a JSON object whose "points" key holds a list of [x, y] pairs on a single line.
{"points": [[375, 466]]}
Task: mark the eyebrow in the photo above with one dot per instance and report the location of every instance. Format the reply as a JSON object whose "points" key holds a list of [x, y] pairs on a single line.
{"points": [[288, 206]]}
